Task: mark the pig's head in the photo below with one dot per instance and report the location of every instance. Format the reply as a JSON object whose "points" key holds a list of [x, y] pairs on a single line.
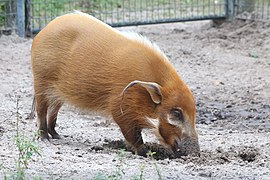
{"points": [[177, 119], [174, 116]]}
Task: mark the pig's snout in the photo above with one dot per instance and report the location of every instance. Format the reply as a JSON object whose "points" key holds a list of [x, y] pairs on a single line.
{"points": [[187, 146]]}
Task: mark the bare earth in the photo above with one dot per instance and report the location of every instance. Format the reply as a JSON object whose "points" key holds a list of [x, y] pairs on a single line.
{"points": [[228, 70]]}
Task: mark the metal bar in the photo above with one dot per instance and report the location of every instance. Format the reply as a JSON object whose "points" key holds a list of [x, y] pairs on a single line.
{"points": [[209, 6], [45, 17], [135, 6], [158, 8], [192, 8], [117, 11], [214, 4], [262, 9], [129, 8], [141, 10], [169, 9], [106, 14], [32, 12], [147, 9], [220, 8], [123, 6], [20, 17], [175, 9], [268, 10], [257, 10], [198, 8], [152, 9], [230, 8], [112, 11], [157, 22], [27, 18], [39, 23], [135, 12]]}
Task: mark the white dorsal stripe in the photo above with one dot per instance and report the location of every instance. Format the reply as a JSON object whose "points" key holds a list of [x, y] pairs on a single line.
{"points": [[143, 40], [128, 34]]}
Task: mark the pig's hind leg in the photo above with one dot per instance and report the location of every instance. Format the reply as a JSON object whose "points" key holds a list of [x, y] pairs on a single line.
{"points": [[41, 109], [52, 117]]}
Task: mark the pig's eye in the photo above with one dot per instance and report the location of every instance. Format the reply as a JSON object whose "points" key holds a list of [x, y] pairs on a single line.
{"points": [[177, 114]]}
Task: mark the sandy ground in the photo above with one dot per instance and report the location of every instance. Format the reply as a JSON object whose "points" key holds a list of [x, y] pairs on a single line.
{"points": [[227, 68]]}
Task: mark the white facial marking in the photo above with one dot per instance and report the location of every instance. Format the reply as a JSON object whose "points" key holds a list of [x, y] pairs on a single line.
{"points": [[154, 122], [173, 122]]}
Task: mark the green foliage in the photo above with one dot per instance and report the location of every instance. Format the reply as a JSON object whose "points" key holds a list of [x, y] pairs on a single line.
{"points": [[253, 55], [151, 155], [100, 176], [26, 148], [2, 11], [140, 176], [119, 173]]}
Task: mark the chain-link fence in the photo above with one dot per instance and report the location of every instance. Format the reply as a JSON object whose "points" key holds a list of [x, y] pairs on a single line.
{"points": [[33, 15], [7, 16], [252, 9], [114, 12], [128, 12]]}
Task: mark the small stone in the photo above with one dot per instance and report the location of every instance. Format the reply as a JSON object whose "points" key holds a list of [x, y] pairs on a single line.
{"points": [[229, 106], [97, 148], [205, 174]]}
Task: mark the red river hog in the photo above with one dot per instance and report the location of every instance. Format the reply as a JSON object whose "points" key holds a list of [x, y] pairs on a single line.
{"points": [[79, 60]]}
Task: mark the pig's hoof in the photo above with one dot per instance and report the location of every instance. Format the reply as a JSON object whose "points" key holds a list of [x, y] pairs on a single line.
{"points": [[142, 151], [44, 136], [56, 136]]}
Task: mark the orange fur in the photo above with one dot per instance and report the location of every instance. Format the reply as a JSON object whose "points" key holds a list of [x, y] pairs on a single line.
{"points": [[79, 60]]}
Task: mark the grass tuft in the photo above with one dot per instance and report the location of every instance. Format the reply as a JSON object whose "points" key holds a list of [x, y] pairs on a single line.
{"points": [[27, 148]]}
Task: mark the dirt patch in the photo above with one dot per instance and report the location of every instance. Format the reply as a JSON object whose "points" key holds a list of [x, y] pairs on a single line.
{"points": [[218, 156], [160, 152], [227, 68]]}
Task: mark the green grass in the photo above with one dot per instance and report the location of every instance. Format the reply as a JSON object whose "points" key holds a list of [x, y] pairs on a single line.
{"points": [[151, 155], [26, 147], [120, 172], [2, 14]]}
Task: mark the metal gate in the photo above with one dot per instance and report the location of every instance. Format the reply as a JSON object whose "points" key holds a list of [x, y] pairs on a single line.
{"points": [[252, 9], [125, 12], [30, 16]]}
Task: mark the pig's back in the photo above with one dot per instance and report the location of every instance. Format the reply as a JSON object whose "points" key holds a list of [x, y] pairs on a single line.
{"points": [[84, 60]]}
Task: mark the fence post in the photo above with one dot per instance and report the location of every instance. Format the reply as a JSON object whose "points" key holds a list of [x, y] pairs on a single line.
{"points": [[230, 9], [20, 17]]}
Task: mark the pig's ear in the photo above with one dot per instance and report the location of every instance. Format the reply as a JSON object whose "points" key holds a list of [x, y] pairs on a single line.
{"points": [[152, 88]]}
